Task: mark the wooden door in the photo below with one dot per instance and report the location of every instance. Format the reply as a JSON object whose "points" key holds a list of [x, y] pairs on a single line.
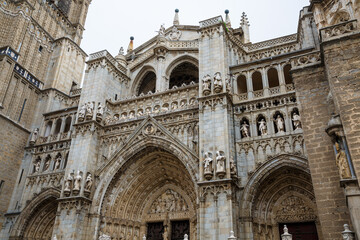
{"points": [[155, 231], [300, 231], [179, 229]]}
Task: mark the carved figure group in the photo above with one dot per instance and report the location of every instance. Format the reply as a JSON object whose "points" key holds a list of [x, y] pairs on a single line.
{"points": [[86, 111], [170, 201]]}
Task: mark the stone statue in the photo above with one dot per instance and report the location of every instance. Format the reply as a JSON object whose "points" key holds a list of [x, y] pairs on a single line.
{"points": [[165, 234], [206, 84], [263, 127], [217, 82], [34, 136], [82, 112], [88, 182], [57, 163], [89, 110], [103, 236], [77, 181], [245, 130], [232, 167], [279, 121], [342, 163], [347, 234], [37, 166], [207, 163], [220, 164], [47, 164], [131, 115], [100, 111], [68, 183], [286, 235], [121, 51], [162, 30], [54, 238], [297, 121], [186, 237]]}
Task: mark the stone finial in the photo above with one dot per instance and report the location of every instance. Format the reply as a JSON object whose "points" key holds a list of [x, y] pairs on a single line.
{"points": [[244, 24], [121, 51], [227, 19], [347, 234], [131, 44], [144, 237], [244, 20], [186, 237], [232, 236], [176, 17], [286, 235]]}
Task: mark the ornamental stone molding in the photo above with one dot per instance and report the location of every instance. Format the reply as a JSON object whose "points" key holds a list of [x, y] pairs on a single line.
{"points": [[307, 60]]}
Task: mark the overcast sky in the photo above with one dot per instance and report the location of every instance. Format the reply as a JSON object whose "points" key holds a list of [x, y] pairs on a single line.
{"points": [[110, 23]]}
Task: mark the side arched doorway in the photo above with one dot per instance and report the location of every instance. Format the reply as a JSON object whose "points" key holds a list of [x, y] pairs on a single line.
{"points": [[36, 222], [280, 193], [152, 194]]}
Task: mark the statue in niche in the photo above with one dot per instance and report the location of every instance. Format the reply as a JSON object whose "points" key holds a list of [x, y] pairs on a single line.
{"points": [[77, 181], [207, 163], [89, 110], [342, 163], [206, 84], [68, 183], [57, 163], [88, 182], [34, 136], [217, 82], [123, 116], [245, 130], [37, 166], [100, 112], [228, 83], [262, 127], [297, 121], [279, 121], [47, 164], [220, 163], [175, 34], [82, 112], [131, 115], [174, 106], [140, 112], [232, 167]]}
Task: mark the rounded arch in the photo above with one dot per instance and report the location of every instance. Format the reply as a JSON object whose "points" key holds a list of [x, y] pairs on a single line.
{"points": [[140, 77], [242, 84], [179, 60], [38, 217]]}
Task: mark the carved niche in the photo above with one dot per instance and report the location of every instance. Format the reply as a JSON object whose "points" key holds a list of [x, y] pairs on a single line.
{"points": [[169, 201], [295, 209]]}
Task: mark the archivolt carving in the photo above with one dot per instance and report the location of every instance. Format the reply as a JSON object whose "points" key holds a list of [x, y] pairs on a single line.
{"points": [[294, 208]]}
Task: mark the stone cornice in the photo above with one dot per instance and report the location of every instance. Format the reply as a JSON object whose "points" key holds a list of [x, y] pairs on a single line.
{"points": [[83, 53]]}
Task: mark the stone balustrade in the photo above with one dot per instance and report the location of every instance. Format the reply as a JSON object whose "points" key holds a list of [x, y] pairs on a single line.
{"points": [[339, 30]]}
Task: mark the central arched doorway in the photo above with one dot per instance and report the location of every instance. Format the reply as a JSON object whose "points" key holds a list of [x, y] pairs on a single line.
{"points": [[152, 194]]}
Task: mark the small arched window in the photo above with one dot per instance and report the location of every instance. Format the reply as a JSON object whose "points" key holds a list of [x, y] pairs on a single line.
{"points": [[57, 126], [48, 128], [273, 77], [148, 83], [257, 81], [67, 124], [241, 84], [287, 75]]}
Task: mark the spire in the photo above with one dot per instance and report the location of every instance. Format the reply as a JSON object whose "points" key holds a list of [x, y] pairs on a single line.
{"points": [[176, 18], [227, 19], [244, 24], [131, 45]]}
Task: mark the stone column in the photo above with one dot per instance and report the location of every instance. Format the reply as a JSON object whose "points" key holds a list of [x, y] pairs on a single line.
{"points": [[282, 83], [249, 85], [265, 82]]}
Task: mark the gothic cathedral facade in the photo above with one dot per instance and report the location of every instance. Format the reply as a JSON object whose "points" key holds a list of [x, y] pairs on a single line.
{"points": [[196, 134]]}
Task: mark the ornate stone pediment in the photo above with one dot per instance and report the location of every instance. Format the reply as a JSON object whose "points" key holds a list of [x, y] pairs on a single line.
{"points": [[152, 132], [169, 201]]}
